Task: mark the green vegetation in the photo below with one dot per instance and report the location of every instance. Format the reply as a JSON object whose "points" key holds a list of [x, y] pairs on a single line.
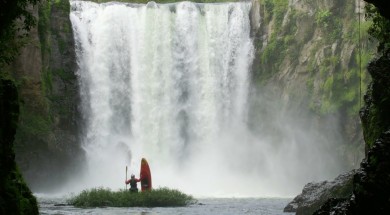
{"points": [[335, 77], [330, 24], [324, 17], [343, 87], [43, 30], [16, 197], [380, 28], [275, 9], [37, 125], [162, 197], [276, 49], [340, 89], [323, 46], [11, 12], [375, 119]]}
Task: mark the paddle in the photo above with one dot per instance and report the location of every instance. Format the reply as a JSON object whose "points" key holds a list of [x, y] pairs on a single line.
{"points": [[126, 177]]}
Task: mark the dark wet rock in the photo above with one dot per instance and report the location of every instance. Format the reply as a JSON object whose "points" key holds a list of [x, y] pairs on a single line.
{"points": [[375, 115], [382, 6], [61, 204], [334, 206], [315, 194], [371, 185], [15, 196]]}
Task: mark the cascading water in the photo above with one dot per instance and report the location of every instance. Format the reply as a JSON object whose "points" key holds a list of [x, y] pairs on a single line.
{"points": [[170, 82]]}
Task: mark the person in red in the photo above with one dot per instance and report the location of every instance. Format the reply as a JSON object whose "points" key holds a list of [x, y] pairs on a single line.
{"points": [[133, 183]]}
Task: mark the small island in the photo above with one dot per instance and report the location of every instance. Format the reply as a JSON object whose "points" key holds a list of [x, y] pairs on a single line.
{"points": [[104, 197]]}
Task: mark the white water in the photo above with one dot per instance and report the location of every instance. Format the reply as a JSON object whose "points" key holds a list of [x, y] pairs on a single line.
{"points": [[170, 83], [226, 206]]}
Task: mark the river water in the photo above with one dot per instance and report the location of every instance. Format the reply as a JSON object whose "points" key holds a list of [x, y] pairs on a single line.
{"points": [[264, 206]]}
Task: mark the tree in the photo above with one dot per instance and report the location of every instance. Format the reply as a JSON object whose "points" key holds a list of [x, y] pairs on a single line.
{"points": [[380, 28], [15, 22], [381, 5]]}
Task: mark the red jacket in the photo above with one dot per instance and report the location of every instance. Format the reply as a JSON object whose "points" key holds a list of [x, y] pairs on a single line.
{"points": [[136, 179]]}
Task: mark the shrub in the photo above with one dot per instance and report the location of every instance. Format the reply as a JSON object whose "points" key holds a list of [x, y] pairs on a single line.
{"points": [[102, 197]]}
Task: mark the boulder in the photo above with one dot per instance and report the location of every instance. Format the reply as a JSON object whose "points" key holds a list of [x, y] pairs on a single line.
{"points": [[371, 185], [315, 194]]}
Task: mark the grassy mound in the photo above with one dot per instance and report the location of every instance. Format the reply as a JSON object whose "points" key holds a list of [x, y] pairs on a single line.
{"points": [[103, 197]]}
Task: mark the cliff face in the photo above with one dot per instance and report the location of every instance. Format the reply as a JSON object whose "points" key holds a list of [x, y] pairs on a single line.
{"points": [[371, 182], [46, 144], [15, 196], [308, 57]]}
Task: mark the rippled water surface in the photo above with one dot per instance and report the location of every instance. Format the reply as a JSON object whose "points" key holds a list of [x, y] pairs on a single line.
{"points": [[266, 206]]}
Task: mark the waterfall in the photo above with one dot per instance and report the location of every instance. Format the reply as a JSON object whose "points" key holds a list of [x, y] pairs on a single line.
{"points": [[160, 81], [170, 82]]}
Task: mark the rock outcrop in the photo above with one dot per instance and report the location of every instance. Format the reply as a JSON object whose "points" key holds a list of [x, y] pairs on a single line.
{"points": [[306, 55], [316, 194], [371, 185], [15, 196]]}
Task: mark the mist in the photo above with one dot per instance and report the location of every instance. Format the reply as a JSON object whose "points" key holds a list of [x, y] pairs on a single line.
{"points": [[171, 83]]}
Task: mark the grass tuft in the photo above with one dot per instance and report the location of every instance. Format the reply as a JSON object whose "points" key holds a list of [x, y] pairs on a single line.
{"points": [[104, 197]]}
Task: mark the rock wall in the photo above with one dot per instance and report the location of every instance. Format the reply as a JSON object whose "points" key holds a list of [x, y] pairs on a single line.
{"points": [[15, 196], [308, 57], [46, 144], [371, 182]]}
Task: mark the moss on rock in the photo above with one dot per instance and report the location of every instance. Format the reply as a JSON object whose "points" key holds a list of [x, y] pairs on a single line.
{"points": [[15, 196], [376, 114]]}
